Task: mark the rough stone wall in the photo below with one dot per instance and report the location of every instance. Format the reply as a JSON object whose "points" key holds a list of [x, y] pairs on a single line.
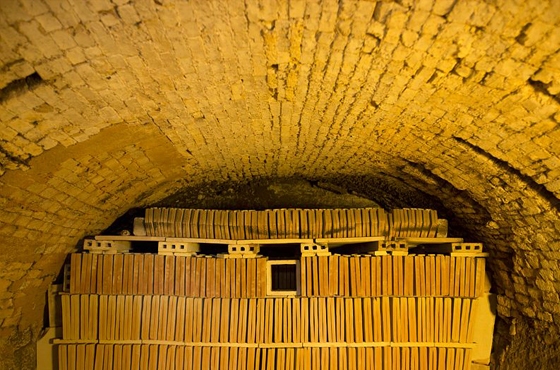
{"points": [[105, 106]]}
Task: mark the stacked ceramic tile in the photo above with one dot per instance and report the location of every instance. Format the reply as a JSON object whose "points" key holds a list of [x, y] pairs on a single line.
{"points": [[145, 311], [408, 276], [170, 356], [289, 223], [144, 273]]}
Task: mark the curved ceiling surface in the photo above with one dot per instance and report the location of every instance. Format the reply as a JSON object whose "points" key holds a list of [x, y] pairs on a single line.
{"points": [[106, 106]]}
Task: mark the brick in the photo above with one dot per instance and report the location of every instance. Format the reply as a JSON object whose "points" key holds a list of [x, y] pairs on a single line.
{"points": [[442, 7], [83, 37], [128, 14], [534, 33], [22, 69], [15, 12], [63, 39], [42, 42], [34, 8], [110, 19], [49, 22], [75, 56]]}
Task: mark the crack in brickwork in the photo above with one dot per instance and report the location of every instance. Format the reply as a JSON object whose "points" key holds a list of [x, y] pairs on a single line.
{"points": [[530, 183]]}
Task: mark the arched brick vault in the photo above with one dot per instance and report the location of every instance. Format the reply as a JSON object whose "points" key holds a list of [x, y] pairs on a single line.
{"points": [[107, 106]]}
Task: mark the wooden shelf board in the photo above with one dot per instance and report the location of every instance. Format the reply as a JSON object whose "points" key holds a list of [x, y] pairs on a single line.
{"points": [[131, 238], [413, 240], [337, 242], [272, 344]]}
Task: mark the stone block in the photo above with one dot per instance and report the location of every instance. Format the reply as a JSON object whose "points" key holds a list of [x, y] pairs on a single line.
{"points": [[106, 246], [110, 19], [534, 33], [63, 39], [178, 248], [545, 316], [84, 13], [49, 22]]}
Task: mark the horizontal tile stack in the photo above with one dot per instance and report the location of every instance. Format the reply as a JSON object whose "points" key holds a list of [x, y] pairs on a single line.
{"points": [[170, 356], [289, 223], [257, 322]]}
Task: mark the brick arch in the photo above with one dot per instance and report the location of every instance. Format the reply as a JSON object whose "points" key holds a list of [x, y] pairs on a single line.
{"points": [[105, 106]]}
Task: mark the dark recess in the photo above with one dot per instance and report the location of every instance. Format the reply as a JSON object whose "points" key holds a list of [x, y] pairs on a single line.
{"points": [[541, 87], [18, 87]]}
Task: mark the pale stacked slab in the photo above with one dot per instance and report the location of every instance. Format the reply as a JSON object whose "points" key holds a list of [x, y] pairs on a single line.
{"points": [[290, 223], [147, 311]]}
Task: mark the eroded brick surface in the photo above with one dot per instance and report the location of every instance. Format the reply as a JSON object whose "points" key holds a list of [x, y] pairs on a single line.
{"points": [[458, 99]]}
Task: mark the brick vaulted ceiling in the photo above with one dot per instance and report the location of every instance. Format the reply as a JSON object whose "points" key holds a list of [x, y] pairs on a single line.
{"points": [[107, 106]]}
